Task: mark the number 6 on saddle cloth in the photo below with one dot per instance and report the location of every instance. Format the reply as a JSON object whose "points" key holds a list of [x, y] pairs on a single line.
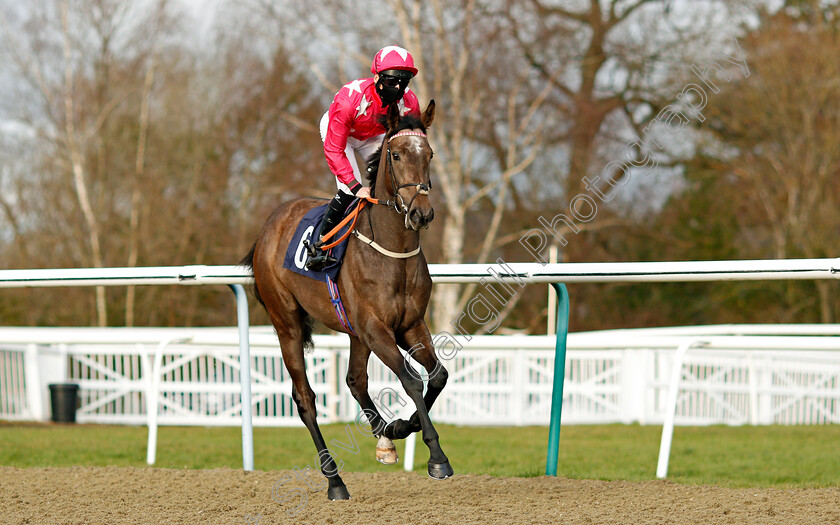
{"points": [[297, 254]]}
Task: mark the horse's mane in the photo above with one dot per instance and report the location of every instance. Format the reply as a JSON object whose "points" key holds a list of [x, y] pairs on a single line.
{"points": [[372, 163]]}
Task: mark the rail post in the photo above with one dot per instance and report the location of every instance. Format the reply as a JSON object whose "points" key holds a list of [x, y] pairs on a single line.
{"points": [[559, 378], [244, 376]]}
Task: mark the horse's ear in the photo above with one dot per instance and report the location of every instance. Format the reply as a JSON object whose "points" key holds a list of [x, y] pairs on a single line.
{"points": [[429, 114], [393, 115]]}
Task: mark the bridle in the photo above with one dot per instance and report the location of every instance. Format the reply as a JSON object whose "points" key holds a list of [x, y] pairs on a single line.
{"points": [[422, 189]]}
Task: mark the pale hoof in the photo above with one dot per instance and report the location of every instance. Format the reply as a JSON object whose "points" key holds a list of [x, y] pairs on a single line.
{"points": [[386, 452]]}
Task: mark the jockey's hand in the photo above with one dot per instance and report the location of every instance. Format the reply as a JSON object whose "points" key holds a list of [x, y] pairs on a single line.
{"points": [[363, 193]]}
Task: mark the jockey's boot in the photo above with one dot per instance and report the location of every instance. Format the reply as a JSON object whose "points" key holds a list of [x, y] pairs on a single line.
{"points": [[320, 259]]}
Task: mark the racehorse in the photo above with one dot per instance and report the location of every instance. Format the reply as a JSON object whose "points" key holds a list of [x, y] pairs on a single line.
{"points": [[385, 286]]}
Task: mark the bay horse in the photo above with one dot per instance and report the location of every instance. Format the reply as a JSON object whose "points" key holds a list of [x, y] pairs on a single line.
{"points": [[385, 297]]}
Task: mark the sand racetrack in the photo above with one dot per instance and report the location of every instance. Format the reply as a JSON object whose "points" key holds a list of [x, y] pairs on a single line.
{"points": [[150, 495]]}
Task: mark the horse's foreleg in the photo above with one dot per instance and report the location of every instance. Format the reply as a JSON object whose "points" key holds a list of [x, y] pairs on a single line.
{"points": [[381, 341], [357, 382], [417, 342]]}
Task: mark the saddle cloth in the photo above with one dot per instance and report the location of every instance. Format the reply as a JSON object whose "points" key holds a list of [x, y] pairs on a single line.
{"points": [[296, 254]]}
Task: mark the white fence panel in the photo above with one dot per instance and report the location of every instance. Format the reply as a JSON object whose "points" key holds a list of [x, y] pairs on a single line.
{"points": [[611, 377], [13, 400]]}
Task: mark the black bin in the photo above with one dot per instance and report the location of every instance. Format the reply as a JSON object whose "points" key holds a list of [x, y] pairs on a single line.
{"points": [[63, 398]]}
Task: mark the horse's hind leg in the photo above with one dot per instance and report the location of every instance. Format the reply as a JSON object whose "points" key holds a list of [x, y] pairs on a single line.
{"points": [[357, 382], [291, 344]]}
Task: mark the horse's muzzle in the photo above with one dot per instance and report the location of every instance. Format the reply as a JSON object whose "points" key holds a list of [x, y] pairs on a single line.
{"points": [[419, 219]]}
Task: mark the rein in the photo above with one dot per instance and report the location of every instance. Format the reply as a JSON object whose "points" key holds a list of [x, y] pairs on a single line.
{"points": [[352, 216], [401, 207]]}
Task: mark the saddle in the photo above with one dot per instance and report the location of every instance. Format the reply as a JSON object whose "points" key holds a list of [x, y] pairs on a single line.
{"points": [[296, 252]]}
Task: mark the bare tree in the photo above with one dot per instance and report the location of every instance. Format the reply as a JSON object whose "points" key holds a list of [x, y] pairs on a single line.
{"points": [[142, 149], [775, 137], [613, 65], [72, 109], [136, 191]]}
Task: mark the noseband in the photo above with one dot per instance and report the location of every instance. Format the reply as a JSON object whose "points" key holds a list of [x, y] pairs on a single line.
{"points": [[422, 189]]}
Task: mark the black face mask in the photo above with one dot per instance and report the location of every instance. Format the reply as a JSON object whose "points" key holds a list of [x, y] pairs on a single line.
{"points": [[390, 89]]}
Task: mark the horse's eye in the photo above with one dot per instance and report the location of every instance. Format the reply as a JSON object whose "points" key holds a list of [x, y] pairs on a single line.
{"points": [[395, 156]]}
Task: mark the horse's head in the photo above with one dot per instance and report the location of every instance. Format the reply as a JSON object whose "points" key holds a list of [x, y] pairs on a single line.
{"points": [[404, 165]]}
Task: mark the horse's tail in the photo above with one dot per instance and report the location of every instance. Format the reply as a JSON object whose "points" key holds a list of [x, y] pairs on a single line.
{"points": [[248, 262], [307, 323]]}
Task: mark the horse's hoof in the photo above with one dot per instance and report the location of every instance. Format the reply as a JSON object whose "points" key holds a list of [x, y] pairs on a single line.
{"points": [[386, 452], [338, 492], [440, 470]]}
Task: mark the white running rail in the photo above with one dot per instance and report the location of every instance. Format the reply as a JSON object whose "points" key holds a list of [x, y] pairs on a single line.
{"points": [[236, 276]]}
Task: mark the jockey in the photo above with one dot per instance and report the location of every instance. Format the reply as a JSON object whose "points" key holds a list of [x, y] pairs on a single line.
{"points": [[352, 125]]}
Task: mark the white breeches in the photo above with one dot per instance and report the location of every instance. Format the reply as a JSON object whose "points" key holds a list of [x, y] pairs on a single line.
{"points": [[364, 148]]}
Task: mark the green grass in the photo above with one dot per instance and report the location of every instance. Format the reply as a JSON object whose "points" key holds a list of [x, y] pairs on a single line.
{"points": [[767, 456]]}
